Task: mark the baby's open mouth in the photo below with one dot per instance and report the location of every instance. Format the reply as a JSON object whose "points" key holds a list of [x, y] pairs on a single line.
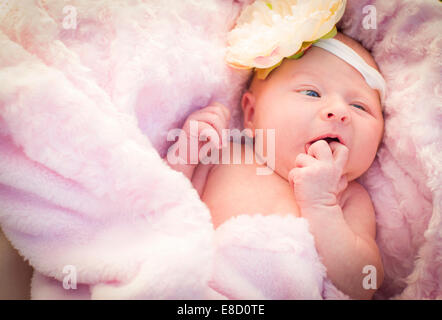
{"points": [[327, 138]]}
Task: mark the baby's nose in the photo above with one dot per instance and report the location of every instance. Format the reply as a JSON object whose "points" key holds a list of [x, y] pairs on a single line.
{"points": [[338, 114]]}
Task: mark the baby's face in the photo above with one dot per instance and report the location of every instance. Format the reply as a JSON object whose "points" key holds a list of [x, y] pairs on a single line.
{"points": [[312, 96]]}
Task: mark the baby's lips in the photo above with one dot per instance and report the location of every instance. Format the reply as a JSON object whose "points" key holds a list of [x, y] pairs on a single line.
{"points": [[308, 145]]}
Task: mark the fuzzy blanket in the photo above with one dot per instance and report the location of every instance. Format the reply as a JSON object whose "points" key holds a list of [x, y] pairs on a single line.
{"points": [[88, 92]]}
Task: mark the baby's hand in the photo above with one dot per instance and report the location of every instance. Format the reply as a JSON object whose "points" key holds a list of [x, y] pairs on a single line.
{"points": [[209, 123], [317, 178]]}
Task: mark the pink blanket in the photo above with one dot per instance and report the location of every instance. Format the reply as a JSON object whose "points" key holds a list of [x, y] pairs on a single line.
{"points": [[88, 93]]}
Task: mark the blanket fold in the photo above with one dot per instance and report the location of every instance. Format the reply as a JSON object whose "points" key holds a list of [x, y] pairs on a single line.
{"points": [[256, 257], [269, 257]]}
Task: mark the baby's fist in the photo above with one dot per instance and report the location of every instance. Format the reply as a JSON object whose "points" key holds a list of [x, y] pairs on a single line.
{"points": [[318, 178], [209, 123]]}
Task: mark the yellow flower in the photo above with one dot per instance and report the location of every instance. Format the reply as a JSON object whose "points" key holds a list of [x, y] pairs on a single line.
{"points": [[268, 31]]}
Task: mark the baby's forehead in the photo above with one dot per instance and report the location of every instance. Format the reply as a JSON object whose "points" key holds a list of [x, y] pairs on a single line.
{"points": [[317, 62], [314, 60], [313, 64], [358, 48], [319, 53]]}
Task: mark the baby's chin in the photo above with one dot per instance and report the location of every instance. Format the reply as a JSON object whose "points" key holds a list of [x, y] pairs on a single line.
{"points": [[353, 172], [358, 164]]}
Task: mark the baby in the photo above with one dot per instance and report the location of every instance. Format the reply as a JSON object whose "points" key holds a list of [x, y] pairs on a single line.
{"points": [[328, 125]]}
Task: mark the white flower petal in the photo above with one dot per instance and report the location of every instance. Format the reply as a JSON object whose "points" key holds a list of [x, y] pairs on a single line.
{"points": [[269, 30]]}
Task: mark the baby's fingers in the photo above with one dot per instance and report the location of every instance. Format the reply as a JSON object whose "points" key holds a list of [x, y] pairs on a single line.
{"points": [[207, 133], [340, 153], [212, 119], [304, 160], [220, 110], [292, 176], [343, 183], [320, 150]]}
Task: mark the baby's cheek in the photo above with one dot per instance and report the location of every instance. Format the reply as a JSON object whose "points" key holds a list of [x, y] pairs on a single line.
{"points": [[360, 159], [285, 162]]}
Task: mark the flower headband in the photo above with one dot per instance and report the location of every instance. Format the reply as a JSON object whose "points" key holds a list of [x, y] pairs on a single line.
{"points": [[268, 31]]}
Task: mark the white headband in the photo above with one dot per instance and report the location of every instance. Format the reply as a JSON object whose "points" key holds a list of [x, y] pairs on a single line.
{"points": [[373, 78]]}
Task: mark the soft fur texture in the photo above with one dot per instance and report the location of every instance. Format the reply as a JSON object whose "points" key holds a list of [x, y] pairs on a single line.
{"points": [[84, 116]]}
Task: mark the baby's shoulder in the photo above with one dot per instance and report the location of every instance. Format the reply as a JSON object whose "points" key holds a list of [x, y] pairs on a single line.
{"points": [[354, 190], [229, 168], [358, 210]]}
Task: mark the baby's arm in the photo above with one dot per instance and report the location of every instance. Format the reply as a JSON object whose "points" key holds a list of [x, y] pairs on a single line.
{"points": [[344, 237], [360, 217], [209, 121]]}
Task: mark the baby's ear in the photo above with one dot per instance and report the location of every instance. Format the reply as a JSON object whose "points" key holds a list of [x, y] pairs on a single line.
{"points": [[248, 109]]}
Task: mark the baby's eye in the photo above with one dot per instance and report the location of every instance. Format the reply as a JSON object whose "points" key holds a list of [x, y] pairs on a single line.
{"points": [[359, 106], [310, 93]]}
